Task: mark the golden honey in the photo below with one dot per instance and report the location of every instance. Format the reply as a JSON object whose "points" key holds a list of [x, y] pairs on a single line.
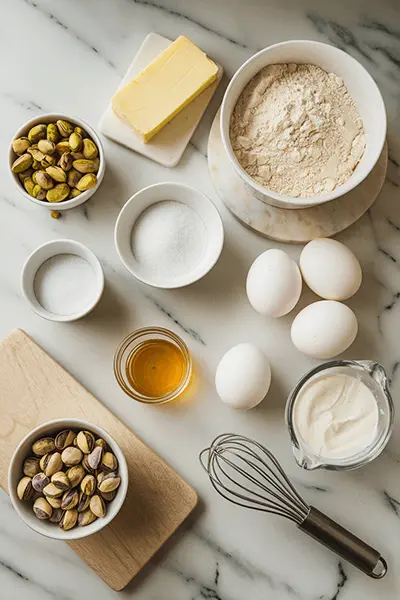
{"points": [[156, 368]]}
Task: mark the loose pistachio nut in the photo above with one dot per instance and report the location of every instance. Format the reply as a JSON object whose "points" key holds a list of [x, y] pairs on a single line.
{"points": [[87, 182], [39, 482], [86, 517], [43, 446], [20, 145], [109, 462], [38, 132], [64, 439], [25, 489], [35, 153], [109, 483], [44, 180], [22, 163], [57, 173], [70, 499], [42, 509], [64, 127], [52, 491], [59, 192], [71, 456], [102, 443], [52, 133], [108, 496], [73, 177], [55, 502], [61, 481], [94, 459], [84, 502], [88, 485], [66, 161], [63, 146], [31, 466], [56, 515], [85, 441], [81, 131], [69, 519], [38, 192], [74, 193], [98, 506], [55, 214], [84, 165], [29, 185], [75, 142], [90, 149], [75, 475], [46, 146]]}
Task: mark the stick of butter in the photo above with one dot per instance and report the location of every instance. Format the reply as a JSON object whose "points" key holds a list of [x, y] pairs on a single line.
{"points": [[164, 88]]}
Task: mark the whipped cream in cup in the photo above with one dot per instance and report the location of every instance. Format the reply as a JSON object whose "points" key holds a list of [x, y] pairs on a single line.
{"points": [[340, 415]]}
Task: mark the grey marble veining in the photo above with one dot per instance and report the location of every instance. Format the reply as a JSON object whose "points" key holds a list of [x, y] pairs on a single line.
{"points": [[69, 56]]}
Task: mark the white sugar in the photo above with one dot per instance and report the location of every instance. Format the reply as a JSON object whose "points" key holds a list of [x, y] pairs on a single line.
{"points": [[169, 239], [65, 284]]}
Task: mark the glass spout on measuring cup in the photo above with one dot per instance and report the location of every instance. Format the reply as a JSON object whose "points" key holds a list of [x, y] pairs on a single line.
{"points": [[360, 400]]}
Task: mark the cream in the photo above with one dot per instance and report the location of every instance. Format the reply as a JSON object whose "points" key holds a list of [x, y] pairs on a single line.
{"points": [[336, 416]]}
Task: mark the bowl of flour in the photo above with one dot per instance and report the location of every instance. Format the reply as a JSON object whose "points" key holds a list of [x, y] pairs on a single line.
{"points": [[303, 123], [169, 235]]}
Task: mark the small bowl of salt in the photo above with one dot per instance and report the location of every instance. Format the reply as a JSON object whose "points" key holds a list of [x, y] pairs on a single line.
{"points": [[169, 235], [62, 280]]}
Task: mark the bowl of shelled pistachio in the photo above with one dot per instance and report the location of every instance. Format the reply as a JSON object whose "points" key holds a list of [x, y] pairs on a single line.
{"points": [[67, 479], [57, 161]]}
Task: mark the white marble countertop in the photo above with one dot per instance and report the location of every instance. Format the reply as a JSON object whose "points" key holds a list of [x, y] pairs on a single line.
{"points": [[69, 56]]}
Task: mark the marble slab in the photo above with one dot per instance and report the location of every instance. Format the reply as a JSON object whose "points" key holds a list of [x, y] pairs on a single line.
{"points": [[70, 57]]}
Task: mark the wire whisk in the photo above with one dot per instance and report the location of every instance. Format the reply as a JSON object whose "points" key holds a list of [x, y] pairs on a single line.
{"points": [[247, 474]]}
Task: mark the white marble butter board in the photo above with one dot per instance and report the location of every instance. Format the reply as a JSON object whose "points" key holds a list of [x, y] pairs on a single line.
{"points": [[168, 145], [289, 226]]}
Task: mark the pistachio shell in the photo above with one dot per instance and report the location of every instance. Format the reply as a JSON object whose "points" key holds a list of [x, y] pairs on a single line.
{"points": [[90, 149], [70, 499], [81, 131], [88, 485], [57, 173], [54, 464], [86, 466], [54, 502], [66, 161], [108, 496], [98, 506], [87, 182], [71, 456], [39, 482], [75, 142], [48, 161], [31, 466], [61, 481], [86, 517], [102, 443], [52, 133], [95, 457], [85, 441], [38, 192], [52, 491], [43, 446], [25, 174], [64, 439], [36, 164], [22, 163], [64, 127], [56, 515], [59, 193], [44, 180], [25, 489], [42, 509], [38, 132], [20, 145], [84, 502], [109, 462], [75, 475], [69, 519], [73, 177], [29, 185], [110, 483]]}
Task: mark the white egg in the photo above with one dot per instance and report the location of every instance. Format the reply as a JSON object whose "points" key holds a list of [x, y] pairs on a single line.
{"points": [[273, 283], [243, 376], [330, 269], [324, 329]]}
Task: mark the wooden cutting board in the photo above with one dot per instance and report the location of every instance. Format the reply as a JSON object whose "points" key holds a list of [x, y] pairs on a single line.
{"points": [[34, 389]]}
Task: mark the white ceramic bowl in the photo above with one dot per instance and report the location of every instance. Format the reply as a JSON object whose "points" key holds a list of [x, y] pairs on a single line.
{"points": [[24, 509], [43, 253], [51, 118], [181, 193], [359, 83]]}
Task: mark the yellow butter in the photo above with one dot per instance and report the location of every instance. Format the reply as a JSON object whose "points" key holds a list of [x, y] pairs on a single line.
{"points": [[164, 88]]}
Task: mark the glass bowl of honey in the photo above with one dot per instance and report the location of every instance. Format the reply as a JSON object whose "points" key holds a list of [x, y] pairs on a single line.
{"points": [[153, 365]]}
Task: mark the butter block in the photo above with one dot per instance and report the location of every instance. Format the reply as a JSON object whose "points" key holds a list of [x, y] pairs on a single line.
{"points": [[164, 88]]}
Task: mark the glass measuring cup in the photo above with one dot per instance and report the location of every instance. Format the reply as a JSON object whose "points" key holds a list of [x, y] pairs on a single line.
{"points": [[370, 373]]}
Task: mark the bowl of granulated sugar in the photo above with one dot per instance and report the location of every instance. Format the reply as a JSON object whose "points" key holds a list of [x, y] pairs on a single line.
{"points": [[62, 280], [169, 235]]}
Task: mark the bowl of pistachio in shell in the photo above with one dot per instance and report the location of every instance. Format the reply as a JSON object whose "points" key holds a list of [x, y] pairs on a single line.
{"points": [[67, 479], [56, 161]]}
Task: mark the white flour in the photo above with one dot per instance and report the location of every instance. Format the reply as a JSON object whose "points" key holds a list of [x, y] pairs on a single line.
{"points": [[169, 239], [64, 284], [295, 129]]}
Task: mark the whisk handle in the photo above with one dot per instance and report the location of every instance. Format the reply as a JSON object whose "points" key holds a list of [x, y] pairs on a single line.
{"points": [[345, 544]]}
